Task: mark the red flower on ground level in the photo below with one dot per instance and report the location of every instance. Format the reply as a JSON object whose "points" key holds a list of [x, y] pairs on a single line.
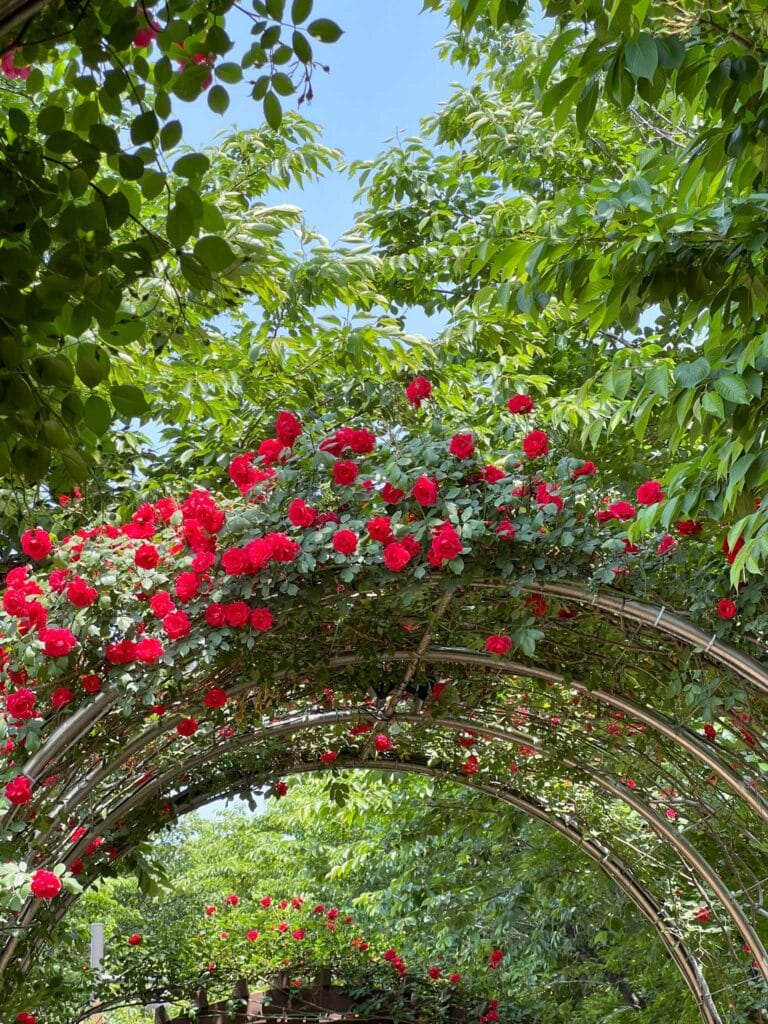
{"points": [[328, 757], [703, 915], [134, 940], [252, 935], [726, 608], [498, 644], [382, 743], [495, 959], [281, 788]]}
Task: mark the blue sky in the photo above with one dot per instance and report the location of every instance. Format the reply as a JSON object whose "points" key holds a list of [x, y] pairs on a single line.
{"points": [[384, 75]]}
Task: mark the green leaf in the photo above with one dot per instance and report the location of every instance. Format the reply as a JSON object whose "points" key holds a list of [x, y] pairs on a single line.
{"points": [[230, 73], [671, 51], [74, 465], [302, 47], [144, 127], [585, 107], [300, 11], [214, 252], [657, 379], [689, 375], [218, 99], [732, 389], [282, 84], [178, 226], [713, 404], [273, 111], [128, 400], [170, 135], [191, 165], [97, 415], [92, 364], [325, 30], [642, 57]]}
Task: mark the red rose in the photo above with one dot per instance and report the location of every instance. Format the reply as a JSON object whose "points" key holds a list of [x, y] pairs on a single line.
{"points": [[535, 444], [498, 644], [262, 619], [391, 495], [270, 450], [380, 528], [281, 788], [425, 491], [187, 586], [187, 727], [235, 562], [146, 557], [621, 510], [546, 497], [345, 473], [282, 548], [252, 935], [520, 404], [434, 973], [301, 514], [710, 732], [345, 542], [287, 428], [471, 765], [688, 527], [242, 473], [62, 696], [149, 650], [215, 697], [45, 885], [176, 624], [80, 594], [492, 474], [134, 940], [210, 910], [506, 529], [91, 684], [328, 757], [19, 790], [298, 934], [649, 493], [666, 544], [36, 543], [203, 561], [454, 979], [726, 608], [382, 743], [495, 959], [703, 915], [362, 441], [160, 604], [57, 643], [215, 614], [536, 605], [396, 557], [237, 613], [21, 704], [462, 446], [419, 389], [586, 469], [731, 553], [266, 901], [232, 900], [122, 652], [446, 544]]}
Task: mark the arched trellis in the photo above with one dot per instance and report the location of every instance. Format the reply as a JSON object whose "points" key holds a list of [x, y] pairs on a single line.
{"points": [[101, 766]]}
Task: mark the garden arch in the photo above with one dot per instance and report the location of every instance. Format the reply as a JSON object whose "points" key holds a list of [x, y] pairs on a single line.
{"points": [[348, 630]]}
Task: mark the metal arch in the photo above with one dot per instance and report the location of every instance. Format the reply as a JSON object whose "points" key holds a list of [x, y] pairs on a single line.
{"points": [[686, 963], [687, 853]]}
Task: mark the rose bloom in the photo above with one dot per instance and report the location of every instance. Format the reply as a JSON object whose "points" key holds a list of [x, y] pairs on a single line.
{"points": [[210, 910], [215, 697], [492, 474], [270, 450], [345, 542], [726, 608], [287, 428], [266, 901], [418, 389], [425, 491], [134, 940], [649, 493], [281, 788], [282, 548], [57, 643], [21, 704], [455, 979], [62, 696], [187, 727], [252, 935], [232, 900], [36, 544], [262, 619], [19, 790], [520, 404], [380, 528], [176, 624], [498, 644], [495, 959], [80, 593], [396, 557], [434, 973], [298, 934], [345, 473], [328, 757], [382, 743], [586, 469], [187, 586], [446, 544], [462, 446], [391, 495], [149, 650], [535, 444], [161, 603], [688, 527], [703, 915], [146, 556], [300, 514], [621, 510], [45, 885], [237, 613], [215, 614]]}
